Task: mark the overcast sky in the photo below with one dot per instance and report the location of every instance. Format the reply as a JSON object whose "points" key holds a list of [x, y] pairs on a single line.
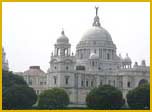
{"points": [[30, 30]]}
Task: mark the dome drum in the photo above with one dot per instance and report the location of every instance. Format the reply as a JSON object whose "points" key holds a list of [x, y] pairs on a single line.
{"points": [[95, 43], [62, 45]]}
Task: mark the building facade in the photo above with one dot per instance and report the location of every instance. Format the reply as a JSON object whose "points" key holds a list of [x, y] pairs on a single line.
{"points": [[35, 78], [95, 63]]}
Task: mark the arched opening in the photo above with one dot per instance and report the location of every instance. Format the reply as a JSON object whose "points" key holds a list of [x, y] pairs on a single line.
{"points": [[67, 80], [142, 81], [55, 79], [108, 56], [67, 67], [66, 52], [93, 63], [128, 84], [87, 83], [58, 52]]}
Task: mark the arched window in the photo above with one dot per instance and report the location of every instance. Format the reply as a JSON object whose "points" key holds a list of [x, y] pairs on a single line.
{"points": [[66, 80], [92, 83], [128, 84], [108, 56], [67, 67], [55, 79], [82, 83], [92, 63], [87, 83]]}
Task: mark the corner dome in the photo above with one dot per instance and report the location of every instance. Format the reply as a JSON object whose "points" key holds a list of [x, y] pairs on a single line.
{"points": [[127, 58], [63, 38], [96, 33]]}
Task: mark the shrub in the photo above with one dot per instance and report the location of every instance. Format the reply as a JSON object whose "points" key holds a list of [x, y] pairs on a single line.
{"points": [[139, 98], [53, 98], [105, 97]]}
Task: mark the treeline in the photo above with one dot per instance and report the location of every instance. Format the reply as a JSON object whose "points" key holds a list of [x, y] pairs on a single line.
{"points": [[18, 95]]}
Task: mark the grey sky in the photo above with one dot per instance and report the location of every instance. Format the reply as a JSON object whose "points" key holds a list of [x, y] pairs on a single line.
{"points": [[30, 30]]}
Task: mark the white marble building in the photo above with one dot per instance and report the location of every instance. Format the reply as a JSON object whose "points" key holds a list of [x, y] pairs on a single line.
{"points": [[95, 63]]}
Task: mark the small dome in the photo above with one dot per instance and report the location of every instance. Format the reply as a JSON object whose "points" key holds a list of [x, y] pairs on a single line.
{"points": [[143, 63], [94, 56], [136, 64], [62, 39], [127, 58]]}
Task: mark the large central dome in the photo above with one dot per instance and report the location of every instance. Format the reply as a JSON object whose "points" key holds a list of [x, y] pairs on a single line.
{"points": [[96, 33], [97, 41]]}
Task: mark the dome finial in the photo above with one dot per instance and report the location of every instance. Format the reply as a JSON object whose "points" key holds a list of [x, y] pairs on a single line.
{"points": [[96, 19], [62, 31], [96, 10]]}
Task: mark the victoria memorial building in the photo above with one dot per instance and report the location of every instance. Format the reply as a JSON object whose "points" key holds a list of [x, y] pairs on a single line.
{"points": [[95, 63]]}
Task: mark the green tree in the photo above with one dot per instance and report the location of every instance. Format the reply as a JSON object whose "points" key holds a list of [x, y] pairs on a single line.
{"points": [[105, 97], [16, 94], [19, 97], [10, 79], [139, 98], [54, 98]]}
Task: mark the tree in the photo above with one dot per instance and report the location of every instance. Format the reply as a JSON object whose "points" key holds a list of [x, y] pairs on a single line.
{"points": [[16, 93], [10, 79], [139, 98], [105, 97], [19, 97], [54, 98]]}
